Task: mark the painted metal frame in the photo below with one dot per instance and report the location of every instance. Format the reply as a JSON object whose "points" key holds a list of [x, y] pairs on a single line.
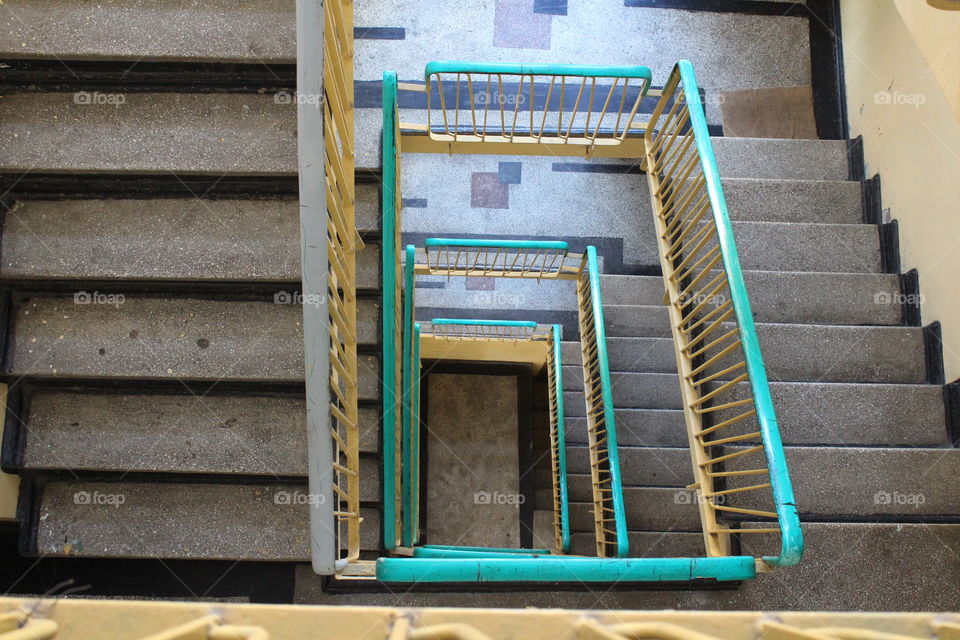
{"points": [[601, 423], [504, 122], [391, 329], [706, 294], [558, 444], [537, 259]]}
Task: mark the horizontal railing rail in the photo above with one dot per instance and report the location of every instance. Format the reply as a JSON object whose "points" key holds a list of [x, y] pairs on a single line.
{"points": [[391, 320], [462, 328], [738, 457], [609, 514], [538, 259], [588, 106], [558, 444]]}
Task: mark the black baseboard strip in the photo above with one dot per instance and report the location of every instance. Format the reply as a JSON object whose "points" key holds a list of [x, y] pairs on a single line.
{"points": [[933, 353], [856, 165], [890, 247], [872, 200], [951, 405], [910, 298]]}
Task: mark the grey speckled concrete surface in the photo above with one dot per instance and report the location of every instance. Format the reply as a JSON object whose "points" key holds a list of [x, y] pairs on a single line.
{"points": [[222, 134], [782, 296], [818, 412], [251, 435], [893, 559], [176, 520], [471, 452], [175, 239], [165, 338], [258, 31]]}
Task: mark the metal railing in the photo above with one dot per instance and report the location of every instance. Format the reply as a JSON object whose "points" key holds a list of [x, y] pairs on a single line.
{"points": [[587, 106], [343, 243], [539, 259], [410, 472], [732, 428], [558, 444], [470, 329], [609, 514], [391, 329]]}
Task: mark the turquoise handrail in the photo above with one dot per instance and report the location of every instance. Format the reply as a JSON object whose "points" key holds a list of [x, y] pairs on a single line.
{"points": [[528, 324], [606, 390], [498, 244], [415, 436], [791, 534], [561, 442], [389, 260], [410, 372], [456, 66]]}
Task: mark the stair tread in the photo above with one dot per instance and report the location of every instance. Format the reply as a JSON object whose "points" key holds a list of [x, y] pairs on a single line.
{"points": [[257, 31], [161, 239], [183, 133], [266, 521], [170, 338]]}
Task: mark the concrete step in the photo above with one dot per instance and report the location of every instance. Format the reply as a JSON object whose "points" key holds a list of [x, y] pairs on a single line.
{"points": [[132, 519], [367, 211], [785, 246], [259, 31], [808, 413], [781, 159], [163, 239], [863, 482], [791, 297], [166, 433], [647, 509], [815, 201], [195, 133], [884, 555], [640, 466], [646, 544], [100, 336], [791, 352]]}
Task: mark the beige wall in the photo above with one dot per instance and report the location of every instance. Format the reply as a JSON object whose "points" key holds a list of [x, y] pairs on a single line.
{"points": [[898, 102]]}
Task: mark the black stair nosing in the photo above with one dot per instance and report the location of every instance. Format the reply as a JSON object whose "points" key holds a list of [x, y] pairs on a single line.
{"points": [[137, 186], [211, 289], [346, 586], [46, 74]]}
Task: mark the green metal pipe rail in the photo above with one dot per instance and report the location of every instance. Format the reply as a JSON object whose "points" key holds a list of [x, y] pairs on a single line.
{"points": [[437, 563]]}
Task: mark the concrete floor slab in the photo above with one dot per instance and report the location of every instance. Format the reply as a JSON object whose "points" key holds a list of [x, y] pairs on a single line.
{"points": [[473, 473]]}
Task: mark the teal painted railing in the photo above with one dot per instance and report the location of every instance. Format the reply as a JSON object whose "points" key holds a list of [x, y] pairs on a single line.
{"points": [[705, 282], [610, 521], [498, 258], [466, 328], [411, 392], [390, 317], [495, 102], [558, 443]]}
